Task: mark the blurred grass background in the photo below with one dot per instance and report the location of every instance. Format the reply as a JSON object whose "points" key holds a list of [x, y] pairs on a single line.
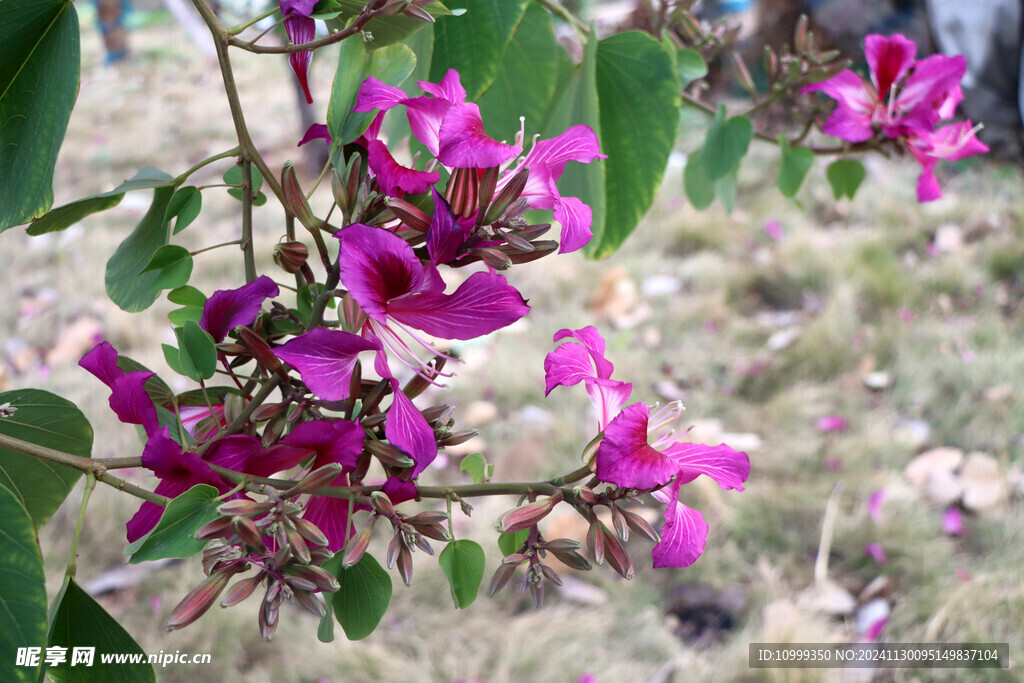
{"points": [[903, 319]]}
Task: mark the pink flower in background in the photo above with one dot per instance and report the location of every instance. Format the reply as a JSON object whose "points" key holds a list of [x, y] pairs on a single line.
{"points": [[953, 521], [904, 101], [773, 229], [831, 423], [876, 551], [875, 505]]}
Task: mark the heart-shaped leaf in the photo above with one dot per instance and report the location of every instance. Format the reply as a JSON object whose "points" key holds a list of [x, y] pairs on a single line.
{"points": [[363, 598], [44, 419], [173, 266], [845, 176], [794, 163]]}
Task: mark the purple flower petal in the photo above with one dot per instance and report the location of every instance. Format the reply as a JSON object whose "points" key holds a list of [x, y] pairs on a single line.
{"points": [[575, 218], [684, 535], [394, 179], [300, 29], [448, 88], [339, 441], [314, 132], [324, 359], [330, 515], [131, 403], [226, 309], [464, 144], [485, 302], [407, 429], [626, 459], [445, 235], [400, 491], [377, 266], [856, 100], [101, 361], [727, 466], [889, 59], [579, 143]]}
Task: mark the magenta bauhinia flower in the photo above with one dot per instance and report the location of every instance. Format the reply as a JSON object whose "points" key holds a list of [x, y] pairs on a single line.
{"points": [[627, 457], [128, 397], [407, 429], [395, 289], [202, 422], [546, 161], [450, 128], [226, 309], [324, 360], [904, 100], [178, 472], [301, 28]]}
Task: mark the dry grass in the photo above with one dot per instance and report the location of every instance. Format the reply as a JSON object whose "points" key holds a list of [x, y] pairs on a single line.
{"points": [[859, 284]]}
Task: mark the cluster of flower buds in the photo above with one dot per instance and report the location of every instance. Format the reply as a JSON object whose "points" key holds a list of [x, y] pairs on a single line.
{"points": [[410, 532], [270, 536], [532, 553]]}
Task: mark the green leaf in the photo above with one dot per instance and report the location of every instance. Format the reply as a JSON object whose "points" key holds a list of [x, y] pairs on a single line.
{"points": [[325, 632], [474, 43], [67, 215], [794, 163], [173, 266], [171, 357], [691, 67], [526, 78], [187, 296], [576, 103], [180, 316], [475, 465], [48, 420], [347, 79], [726, 143], [233, 176], [845, 176], [638, 91], [197, 351], [185, 205], [79, 621], [463, 563], [363, 598], [511, 542], [22, 588], [39, 67], [725, 189], [385, 30], [175, 534], [699, 189], [125, 286]]}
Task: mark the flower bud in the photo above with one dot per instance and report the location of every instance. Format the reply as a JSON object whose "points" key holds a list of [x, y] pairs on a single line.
{"points": [[322, 579], [427, 518], [560, 545], [616, 555], [291, 256], [456, 438], [382, 504], [388, 454], [243, 507], [551, 575], [309, 531], [246, 530], [416, 12], [744, 75], [316, 479], [517, 242], [199, 599], [242, 590], [350, 315], [297, 545], [311, 602], [572, 559], [339, 188], [283, 555], [233, 405], [595, 541], [410, 214], [528, 515], [295, 200], [508, 194], [356, 546], [800, 42], [218, 528], [260, 350], [501, 577], [640, 525], [462, 191], [585, 494], [495, 258], [619, 522], [405, 564], [267, 411], [299, 583], [485, 191]]}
